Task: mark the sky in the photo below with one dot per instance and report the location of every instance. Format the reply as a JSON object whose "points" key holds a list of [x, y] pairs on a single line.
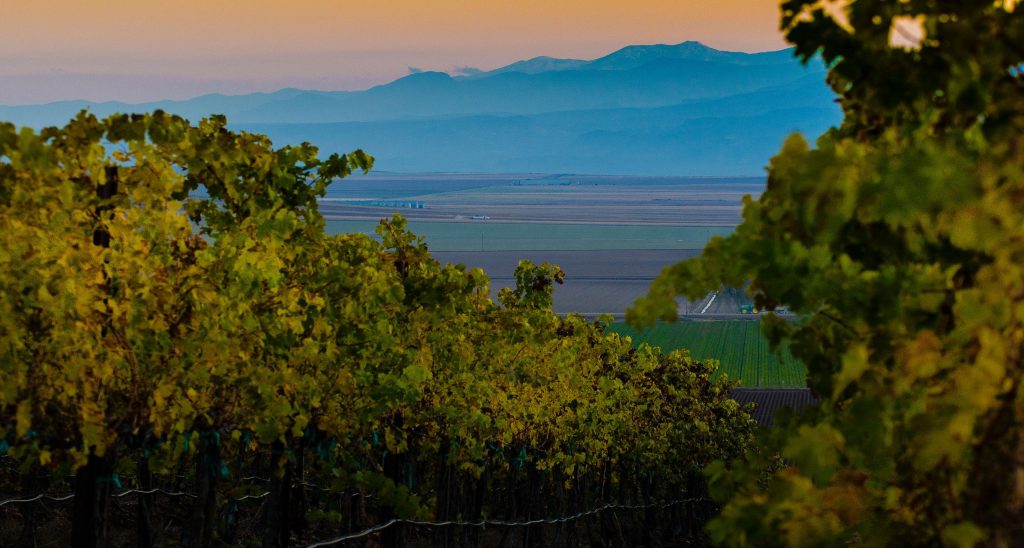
{"points": [[141, 50]]}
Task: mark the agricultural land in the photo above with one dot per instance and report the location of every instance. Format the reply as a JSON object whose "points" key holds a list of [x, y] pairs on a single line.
{"points": [[741, 349], [610, 235]]}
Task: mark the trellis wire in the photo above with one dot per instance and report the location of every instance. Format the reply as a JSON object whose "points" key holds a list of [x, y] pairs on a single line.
{"points": [[150, 492], [389, 523], [500, 523], [69, 496], [55, 498]]}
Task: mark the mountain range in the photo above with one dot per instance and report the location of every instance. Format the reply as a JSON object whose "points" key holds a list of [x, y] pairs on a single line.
{"points": [[684, 109]]}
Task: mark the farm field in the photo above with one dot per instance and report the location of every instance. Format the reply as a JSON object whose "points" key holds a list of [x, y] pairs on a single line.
{"points": [[611, 235], [579, 265], [601, 281], [551, 199], [738, 345], [526, 236], [596, 281], [378, 185]]}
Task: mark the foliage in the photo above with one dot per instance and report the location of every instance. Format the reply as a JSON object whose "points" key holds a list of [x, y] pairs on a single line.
{"points": [[171, 303], [898, 239]]}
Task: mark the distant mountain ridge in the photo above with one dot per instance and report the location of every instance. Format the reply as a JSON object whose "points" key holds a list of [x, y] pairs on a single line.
{"points": [[561, 115], [634, 56]]}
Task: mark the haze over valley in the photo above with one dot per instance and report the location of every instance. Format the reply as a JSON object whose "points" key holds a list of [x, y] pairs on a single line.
{"points": [[644, 153], [684, 109]]}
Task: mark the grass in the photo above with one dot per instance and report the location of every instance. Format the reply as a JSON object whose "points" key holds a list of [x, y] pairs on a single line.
{"points": [[738, 345], [490, 236]]}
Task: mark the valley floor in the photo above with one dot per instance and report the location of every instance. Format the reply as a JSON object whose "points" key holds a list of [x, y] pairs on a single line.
{"points": [[611, 236]]}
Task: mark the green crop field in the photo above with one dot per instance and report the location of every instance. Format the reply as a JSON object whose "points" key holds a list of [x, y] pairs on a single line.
{"points": [[491, 236], [738, 345]]}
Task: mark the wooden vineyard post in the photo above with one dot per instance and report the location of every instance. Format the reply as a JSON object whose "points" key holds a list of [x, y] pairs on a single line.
{"points": [[199, 532], [275, 519], [93, 481], [144, 534]]}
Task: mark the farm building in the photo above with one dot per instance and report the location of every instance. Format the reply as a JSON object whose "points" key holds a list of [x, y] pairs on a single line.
{"points": [[403, 204]]}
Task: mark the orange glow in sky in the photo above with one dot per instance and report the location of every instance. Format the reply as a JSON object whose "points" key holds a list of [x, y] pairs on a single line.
{"points": [[149, 49]]}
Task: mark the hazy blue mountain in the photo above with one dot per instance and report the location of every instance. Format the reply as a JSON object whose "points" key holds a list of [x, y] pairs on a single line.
{"points": [[807, 92], [634, 76], [194, 109], [533, 66], [659, 82], [683, 109], [733, 135], [635, 56]]}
